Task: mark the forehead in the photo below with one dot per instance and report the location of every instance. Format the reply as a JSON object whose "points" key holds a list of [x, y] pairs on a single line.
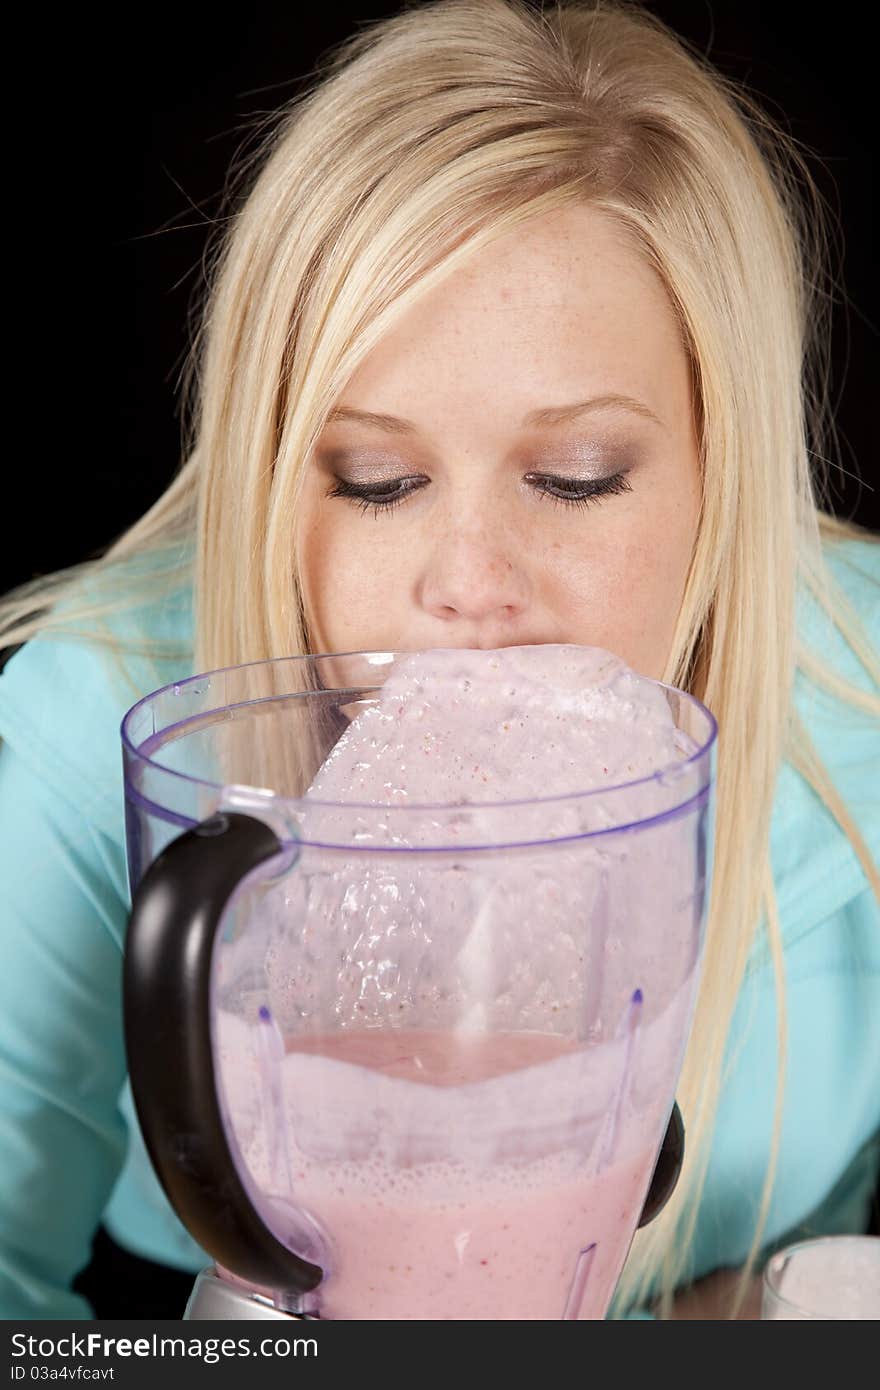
{"points": [[561, 306]]}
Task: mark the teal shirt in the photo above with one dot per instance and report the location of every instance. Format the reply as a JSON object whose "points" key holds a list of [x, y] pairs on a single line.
{"points": [[71, 1153]]}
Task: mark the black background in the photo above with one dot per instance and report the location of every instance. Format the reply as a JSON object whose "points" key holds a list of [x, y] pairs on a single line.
{"points": [[144, 121]]}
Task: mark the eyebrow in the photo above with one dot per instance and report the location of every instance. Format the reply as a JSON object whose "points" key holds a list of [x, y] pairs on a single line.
{"points": [[545, 417]]}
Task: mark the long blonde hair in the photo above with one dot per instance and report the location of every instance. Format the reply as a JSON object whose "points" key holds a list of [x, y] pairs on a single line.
{"points": [[421, 139]]}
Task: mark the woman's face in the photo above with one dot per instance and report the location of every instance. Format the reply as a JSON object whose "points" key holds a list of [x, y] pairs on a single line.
{"points": [[516, 462]]}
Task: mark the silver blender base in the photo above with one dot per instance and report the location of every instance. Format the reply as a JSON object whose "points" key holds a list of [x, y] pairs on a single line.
{"points": [[215, 1300]]}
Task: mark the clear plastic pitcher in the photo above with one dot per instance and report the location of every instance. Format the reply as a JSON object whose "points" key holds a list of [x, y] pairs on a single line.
{"points": [[404, 1061]]}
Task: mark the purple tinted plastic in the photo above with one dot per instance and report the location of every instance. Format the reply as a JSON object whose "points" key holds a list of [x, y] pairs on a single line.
{"points": [[634, 1003]]}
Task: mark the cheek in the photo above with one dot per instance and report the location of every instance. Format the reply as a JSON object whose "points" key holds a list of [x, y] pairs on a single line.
{"points": [[619, 584], [352, 579]]}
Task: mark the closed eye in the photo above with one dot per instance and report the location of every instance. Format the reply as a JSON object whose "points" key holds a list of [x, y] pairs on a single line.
{"points": [[578, 491], [382, 497], [386, 495]]}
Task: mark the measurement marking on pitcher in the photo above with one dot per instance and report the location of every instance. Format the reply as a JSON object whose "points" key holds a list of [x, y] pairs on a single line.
{"points": [[575, 1299], [270, 1055], [628, 1030]]}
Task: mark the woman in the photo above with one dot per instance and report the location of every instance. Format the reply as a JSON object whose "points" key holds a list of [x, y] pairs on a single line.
{"points": [[516, 338]]}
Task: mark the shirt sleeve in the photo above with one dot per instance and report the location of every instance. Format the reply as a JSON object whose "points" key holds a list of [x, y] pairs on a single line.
{"points": [[62, 1065], [63, 908]]}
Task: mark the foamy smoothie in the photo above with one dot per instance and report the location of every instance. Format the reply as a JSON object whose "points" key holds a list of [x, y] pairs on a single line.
{"points": [[464, 727], [453, 1096]]}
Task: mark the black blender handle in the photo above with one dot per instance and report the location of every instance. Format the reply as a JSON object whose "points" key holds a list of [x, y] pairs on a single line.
{"points": [[176, 911], [666, 1169]]}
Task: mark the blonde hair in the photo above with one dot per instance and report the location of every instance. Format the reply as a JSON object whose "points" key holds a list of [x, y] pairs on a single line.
{"points": [[422, 139]]}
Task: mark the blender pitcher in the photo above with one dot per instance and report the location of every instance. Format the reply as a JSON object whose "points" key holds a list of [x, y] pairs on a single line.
{"points": [[402, 1060]]}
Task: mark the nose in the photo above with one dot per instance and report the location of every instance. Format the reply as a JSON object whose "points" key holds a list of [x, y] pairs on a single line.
{"points": [[476, 579]]}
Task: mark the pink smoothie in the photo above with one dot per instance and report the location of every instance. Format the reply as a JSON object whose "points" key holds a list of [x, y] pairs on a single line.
{"points": [[421, 1215], [466, 1059]]}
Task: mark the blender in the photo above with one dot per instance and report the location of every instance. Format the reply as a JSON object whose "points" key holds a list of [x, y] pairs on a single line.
{"points": [[403, 1058]]}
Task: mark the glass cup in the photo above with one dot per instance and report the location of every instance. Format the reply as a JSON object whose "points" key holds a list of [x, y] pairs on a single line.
{"points": [[831, 1278]]}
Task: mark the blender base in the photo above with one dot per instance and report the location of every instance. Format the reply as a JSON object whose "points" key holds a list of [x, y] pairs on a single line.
{"points": [[216, 1300]]}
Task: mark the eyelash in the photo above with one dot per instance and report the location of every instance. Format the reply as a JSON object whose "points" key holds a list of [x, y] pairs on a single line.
{"points": [[369, 495]]}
